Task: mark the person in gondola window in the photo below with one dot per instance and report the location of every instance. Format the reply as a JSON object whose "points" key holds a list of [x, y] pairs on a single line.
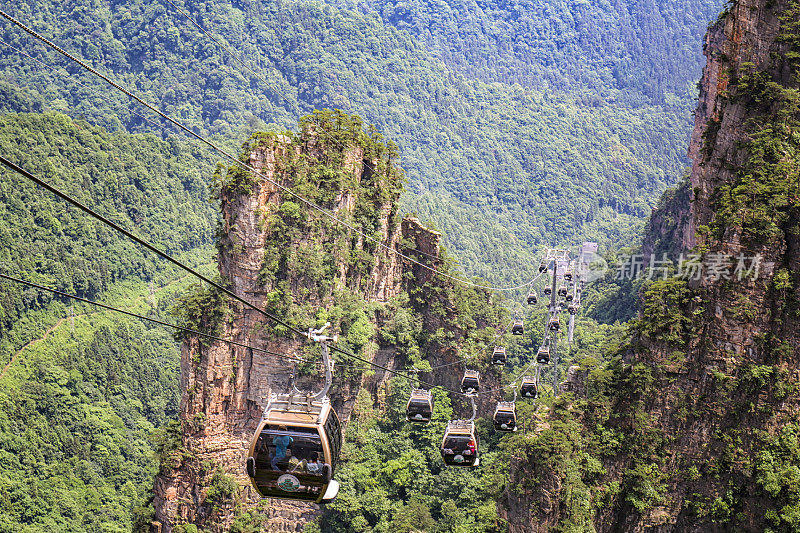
{"points": [[471, 447], [281, 443], [315, 465]]}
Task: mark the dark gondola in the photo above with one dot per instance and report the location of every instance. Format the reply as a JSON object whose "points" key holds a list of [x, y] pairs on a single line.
{"points": [[532, 299], [470, 383], [542, 267], [517, 328], [569, 297], [568, 275], [505, 417], [419, 408], [528, 388], [554, 324], [548, 291], [543, 355], [572, 309], [460, 444], [499, 356], [295, 450], [562, 291]]}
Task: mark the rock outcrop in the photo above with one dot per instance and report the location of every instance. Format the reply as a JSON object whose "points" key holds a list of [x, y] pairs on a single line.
{"points": [[297, 263]]}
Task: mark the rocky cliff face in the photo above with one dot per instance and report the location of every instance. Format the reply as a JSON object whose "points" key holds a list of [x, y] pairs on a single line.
{"points": [[693, 427], [299, 264], [293, 262]]}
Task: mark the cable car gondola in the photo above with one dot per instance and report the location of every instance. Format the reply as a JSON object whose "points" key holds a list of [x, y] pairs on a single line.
{"points": [[470, 383], [505, 417], [554, 324], [532, 298], [499, 356], [517, 328], [568, 275], [543, 355], [569, 297], [572, 309], [562, 291], [528, 388], [420, 406], [460, 444], [542, 267], [548, 291], [295, 448]]}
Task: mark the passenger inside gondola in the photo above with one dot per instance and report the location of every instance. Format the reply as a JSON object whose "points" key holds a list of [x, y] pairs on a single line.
{"points": [[287, 450], [313, 465], [296, 452], [281, 443], [316, 465]]}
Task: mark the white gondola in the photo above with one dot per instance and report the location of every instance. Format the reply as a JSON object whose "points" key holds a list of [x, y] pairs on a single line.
{"points": [[470, 383], [528, 388], [543, 355], [295, 448]]}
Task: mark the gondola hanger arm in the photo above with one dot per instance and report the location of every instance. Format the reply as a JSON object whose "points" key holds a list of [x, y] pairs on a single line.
{"points": [[316, 335]]}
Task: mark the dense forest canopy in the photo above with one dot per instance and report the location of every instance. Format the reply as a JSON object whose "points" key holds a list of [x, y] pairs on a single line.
{"points": [[581, 147], [83, 391], [155, 188], [628, 52]]}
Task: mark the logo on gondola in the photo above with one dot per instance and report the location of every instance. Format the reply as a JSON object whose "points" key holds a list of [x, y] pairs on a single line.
{"points": [[458, 458], [288, 483]]}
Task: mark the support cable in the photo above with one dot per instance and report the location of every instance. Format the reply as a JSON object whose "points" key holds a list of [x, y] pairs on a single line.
{"points": [[197, 274], [150, 319]]}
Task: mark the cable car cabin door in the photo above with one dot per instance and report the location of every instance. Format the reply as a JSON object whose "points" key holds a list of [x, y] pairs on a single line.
{"points": [[294, 459]]}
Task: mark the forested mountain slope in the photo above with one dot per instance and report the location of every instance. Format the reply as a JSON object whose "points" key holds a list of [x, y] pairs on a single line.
{"points": [[82, 412], [628, 52], [158, 189], [83, 391], [500, 168]]}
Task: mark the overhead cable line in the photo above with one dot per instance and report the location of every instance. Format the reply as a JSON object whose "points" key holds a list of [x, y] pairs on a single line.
{"points": [[197, 274], [235, 160], [150, 319]]}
